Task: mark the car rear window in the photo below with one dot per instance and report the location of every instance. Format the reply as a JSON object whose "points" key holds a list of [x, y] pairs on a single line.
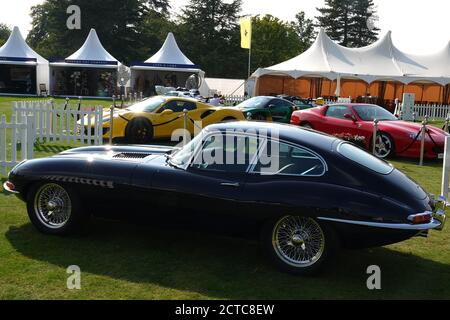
{"points": [[364, 158]]}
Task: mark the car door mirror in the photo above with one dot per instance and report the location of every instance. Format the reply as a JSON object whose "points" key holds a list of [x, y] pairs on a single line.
{"points": [[271, 106], [349, 117], [167, 112]]}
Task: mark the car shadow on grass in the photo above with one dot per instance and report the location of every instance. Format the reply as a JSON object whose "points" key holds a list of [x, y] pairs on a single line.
{"points": [[226, 268]]}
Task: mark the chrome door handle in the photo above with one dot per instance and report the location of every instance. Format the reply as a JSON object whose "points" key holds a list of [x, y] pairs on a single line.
{"points": [[230, 184]]}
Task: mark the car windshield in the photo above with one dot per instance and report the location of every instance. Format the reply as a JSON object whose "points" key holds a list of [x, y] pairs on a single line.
{"points": [[256, 102], [364, 158], [148, 105], [372, 112], [184, 155]]}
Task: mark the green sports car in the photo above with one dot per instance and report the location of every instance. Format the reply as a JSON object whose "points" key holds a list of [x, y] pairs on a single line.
{"points": [[266, 108]]}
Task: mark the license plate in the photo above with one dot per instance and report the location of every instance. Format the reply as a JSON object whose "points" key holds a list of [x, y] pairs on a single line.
{"points": [[440, 156]]}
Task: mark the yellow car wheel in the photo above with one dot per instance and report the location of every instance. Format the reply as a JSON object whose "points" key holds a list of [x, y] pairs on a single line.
{"points": [[139, 131]]}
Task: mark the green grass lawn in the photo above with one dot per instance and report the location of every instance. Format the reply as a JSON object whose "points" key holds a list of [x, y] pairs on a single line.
{"points": [[122, 261]]}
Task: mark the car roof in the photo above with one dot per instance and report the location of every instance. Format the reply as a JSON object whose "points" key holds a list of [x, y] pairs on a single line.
{"points": [[290, 133], [354, 104]]}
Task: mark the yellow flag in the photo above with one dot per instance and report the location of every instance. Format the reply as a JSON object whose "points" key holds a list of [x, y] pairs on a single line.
{"points": [[246, 32]]}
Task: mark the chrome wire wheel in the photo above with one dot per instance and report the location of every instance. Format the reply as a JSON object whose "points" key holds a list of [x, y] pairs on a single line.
{"points": [[52, 205], [298, 241], [383, 146]]}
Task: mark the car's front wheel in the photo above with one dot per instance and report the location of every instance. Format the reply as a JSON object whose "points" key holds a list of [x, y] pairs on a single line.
{"points": [[297, 244], [54, 208]]}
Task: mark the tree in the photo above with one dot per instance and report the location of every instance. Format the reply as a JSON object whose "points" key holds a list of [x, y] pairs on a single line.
{"points": [[208, 33], [118, 24], [5, 31], [274, 41], [346, 21], [305, 30], [363, 31]]}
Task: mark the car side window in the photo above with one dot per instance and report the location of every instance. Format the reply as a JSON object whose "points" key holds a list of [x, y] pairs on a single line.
{"points": [[279, 158], [337, 112], [279, 103], [227, 153], [179, 106]]}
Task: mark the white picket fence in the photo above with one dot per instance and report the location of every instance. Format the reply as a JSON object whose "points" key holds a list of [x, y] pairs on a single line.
{"points": [[21, 140], [433, 111], [234, 99], [59, 123]]}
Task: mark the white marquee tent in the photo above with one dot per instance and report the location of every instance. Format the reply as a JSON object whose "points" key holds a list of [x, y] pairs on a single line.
{"points": [[226, 87], [90, 71], [168, 67], [380, 61], [22, 70]]}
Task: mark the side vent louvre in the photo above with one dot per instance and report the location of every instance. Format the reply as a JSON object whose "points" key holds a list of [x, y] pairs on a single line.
{"points": [[131, 155], [206, 114]]}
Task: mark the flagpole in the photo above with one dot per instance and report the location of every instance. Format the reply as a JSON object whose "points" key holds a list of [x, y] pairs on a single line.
{"points": [[249, 60]]}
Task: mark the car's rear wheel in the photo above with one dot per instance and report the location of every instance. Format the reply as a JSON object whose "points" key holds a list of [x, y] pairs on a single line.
{"points": [[139, 131], [298, 245], [54, 208], [384, 146]]}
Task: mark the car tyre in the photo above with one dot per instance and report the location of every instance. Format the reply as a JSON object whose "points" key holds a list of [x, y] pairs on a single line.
{"points": [[387, 146], [139, 131], [56, 209], [298, 245]]}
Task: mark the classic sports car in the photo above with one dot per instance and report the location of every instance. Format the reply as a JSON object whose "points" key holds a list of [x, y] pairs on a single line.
{"points": [[158, 117], [300, 103], [395, 137], [266, 177], [267, 109]]}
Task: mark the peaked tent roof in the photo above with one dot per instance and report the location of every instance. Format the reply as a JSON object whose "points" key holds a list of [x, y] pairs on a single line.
{"points": [[169, 58], [378, 61], [91, 54], [17, 51]]}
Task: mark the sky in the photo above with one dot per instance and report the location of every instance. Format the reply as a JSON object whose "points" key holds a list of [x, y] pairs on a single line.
{"points": [[418, 27]]}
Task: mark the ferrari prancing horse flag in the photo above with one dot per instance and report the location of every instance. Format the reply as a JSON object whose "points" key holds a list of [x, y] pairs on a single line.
{"points": [[246, 32]]}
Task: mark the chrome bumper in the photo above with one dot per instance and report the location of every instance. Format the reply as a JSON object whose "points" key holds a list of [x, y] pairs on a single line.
{"points": [[437, 221], [433, 224], [439, 212]]}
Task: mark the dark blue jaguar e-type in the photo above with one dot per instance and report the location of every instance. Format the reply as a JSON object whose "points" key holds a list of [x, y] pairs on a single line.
{"points": [[306, 193]]}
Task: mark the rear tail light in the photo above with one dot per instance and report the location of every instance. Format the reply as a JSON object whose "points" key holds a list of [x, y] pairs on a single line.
{"points": [[420, 218], [10, 185]]}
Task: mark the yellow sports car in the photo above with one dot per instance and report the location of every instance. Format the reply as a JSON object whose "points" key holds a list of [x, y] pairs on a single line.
{"points": [[158, 117]]}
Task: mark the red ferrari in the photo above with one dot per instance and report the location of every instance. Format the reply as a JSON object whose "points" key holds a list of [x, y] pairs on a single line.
{"points": [[395, 137]]}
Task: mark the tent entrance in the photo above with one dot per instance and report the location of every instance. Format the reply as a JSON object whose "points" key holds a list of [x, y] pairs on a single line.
{"points": [[145, 80], [79, 81], [17, 79]]}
